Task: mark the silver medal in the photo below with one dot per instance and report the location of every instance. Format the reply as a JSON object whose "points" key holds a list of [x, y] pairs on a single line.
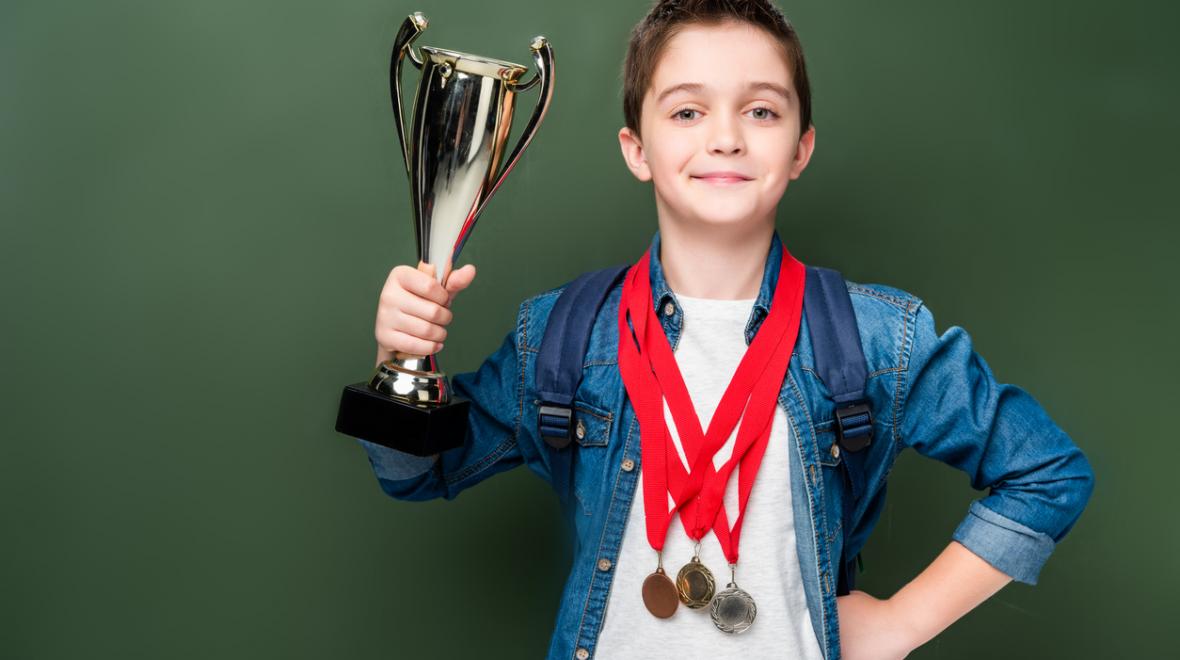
{"points": [[733, 610]]}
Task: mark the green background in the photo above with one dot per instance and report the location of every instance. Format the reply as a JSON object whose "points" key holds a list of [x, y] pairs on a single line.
{"points": [[200, 202]]}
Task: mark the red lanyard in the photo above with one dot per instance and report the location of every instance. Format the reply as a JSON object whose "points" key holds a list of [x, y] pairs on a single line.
{"points": [[650, 374]]}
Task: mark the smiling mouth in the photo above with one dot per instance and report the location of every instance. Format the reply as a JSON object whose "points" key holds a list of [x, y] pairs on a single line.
{"points": [[722, 180]]}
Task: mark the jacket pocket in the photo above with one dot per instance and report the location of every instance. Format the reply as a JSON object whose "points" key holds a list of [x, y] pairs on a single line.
{"points": [[591, 424], [592, 427]]}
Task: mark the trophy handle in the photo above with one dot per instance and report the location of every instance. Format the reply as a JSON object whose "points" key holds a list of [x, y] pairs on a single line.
{"points": [[543, 58], [414, 25]]}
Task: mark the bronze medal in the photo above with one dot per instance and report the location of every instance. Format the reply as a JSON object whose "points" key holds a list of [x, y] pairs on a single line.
{"points": [[659, 594], [733, 610], [694, 584]]}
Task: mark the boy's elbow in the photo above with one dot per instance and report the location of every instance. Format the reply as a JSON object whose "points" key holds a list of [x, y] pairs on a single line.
{"points": [[1068, 494], [1081, 491], [1049, 499]]}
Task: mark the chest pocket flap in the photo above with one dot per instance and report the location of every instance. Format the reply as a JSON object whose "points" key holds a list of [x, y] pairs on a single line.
{"points": [[592, 424]]}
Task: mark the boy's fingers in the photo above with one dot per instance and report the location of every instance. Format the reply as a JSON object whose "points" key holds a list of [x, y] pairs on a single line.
{"points": [[422, 284], [427, 310], [396, 340]]}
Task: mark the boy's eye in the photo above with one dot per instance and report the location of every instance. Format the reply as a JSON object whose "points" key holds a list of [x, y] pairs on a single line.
{"points": [[767, 113], [761, 113]]}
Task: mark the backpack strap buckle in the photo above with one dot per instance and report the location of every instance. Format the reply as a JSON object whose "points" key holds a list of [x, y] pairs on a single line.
{"points": [[854, 426], [555, 424]]}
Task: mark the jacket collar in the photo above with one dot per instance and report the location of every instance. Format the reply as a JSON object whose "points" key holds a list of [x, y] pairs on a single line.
{"points": [[670, 313]]}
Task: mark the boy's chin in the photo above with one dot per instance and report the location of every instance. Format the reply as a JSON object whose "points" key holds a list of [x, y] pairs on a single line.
{"points": [[724, 211], [711, 219]]}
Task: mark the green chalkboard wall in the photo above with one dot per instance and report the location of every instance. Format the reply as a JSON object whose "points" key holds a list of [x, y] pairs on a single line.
{"points": [[199, 202]]}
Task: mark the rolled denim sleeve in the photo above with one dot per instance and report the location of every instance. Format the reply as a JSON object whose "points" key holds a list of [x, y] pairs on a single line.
{"points": [[954, 411], [392, 465], [495, 392]]}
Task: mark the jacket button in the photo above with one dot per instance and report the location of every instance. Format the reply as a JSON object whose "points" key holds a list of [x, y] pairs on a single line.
{"points": [[580, 430], [604, 564], [835, 451], [669, 309], [581, 654], [628, 465]]}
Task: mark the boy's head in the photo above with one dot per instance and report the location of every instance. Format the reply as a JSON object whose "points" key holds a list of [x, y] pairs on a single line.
{"points": [[716, 86]]}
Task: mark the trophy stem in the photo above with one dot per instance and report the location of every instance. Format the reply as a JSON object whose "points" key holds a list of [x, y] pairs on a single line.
{"points": [[413, 379]]}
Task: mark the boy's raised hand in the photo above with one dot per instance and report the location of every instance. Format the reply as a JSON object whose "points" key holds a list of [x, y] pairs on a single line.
{"points": [[414, 309]]}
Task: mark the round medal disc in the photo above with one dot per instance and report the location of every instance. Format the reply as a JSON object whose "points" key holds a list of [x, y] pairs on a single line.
{"points": [[733, 610], [659, 594], [695, 584]]}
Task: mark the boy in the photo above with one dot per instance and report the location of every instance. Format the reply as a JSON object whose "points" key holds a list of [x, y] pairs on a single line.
{"points": [[718, 117]]}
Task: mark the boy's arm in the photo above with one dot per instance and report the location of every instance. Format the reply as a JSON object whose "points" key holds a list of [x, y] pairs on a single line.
{"points": [[496, 394], [951, 586], [953, 410]]}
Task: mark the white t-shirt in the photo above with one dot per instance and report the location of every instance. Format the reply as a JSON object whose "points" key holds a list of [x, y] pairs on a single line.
{"points": [[711, 346]]}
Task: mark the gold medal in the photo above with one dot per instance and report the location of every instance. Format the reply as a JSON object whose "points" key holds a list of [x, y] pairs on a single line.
{"points": [[694, 583]]}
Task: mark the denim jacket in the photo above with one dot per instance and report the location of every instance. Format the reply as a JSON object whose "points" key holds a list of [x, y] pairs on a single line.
{"points": [[927, 391]]}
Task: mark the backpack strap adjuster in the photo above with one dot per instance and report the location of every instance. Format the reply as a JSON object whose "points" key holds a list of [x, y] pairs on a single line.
{"points": [[555, 424], [854, 426]]}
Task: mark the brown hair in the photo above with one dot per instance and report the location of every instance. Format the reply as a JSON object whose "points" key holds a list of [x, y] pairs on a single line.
{"points": [[667, 17]]}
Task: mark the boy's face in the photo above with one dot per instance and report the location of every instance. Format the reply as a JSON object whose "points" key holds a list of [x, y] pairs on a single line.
{"points": [[725, 120]]}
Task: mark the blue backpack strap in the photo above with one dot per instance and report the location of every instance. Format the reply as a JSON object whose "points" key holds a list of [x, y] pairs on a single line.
{"points": [[839, 358], [840, 362], [559, 360]]}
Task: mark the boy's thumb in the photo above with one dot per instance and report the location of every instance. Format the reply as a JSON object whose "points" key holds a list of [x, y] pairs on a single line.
{"points": [[460, 279]]}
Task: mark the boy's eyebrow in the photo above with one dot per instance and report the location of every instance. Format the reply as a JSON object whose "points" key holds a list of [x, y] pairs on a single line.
{"points": [[699, 87]]}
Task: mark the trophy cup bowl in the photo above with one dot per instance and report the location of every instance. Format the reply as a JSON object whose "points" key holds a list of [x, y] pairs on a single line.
{"points": [[463, 107]]}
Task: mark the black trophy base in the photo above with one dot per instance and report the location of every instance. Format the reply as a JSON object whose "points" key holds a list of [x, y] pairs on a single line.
{"points": [[423, 431]]}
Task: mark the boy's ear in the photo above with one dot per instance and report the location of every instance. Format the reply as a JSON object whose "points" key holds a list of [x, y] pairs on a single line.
{"points": [[632, 149], [803, 153]]}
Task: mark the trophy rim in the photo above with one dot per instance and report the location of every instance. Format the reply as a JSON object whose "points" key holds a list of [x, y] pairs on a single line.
{"points": [[516, 70]]}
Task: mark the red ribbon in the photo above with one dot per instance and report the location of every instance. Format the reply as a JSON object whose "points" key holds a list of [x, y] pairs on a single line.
{"points": [[650, 374]]}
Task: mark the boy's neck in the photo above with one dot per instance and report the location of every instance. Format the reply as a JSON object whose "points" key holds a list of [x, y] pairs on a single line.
{"points": [[721, 263]]}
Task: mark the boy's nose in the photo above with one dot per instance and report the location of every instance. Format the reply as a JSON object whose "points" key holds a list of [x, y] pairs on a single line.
{"points": [[725, 138]]}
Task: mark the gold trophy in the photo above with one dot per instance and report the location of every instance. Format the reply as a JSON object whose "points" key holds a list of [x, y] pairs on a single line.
{"points": [[463, 109]]}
